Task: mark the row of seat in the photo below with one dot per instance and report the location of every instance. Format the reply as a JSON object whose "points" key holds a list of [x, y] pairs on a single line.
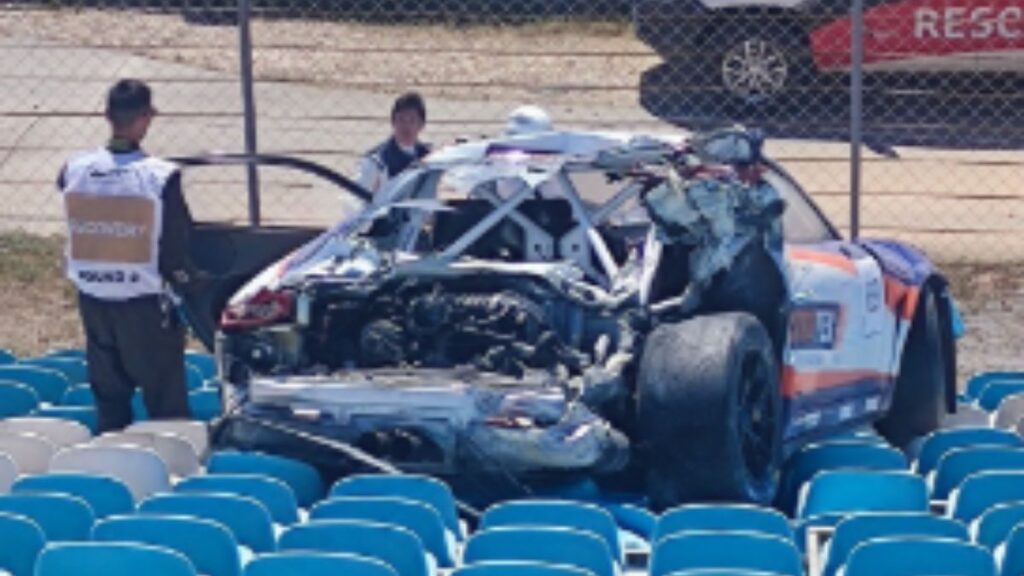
{"points": [[824, 486], [961, 488], [56, 385], [993, 399]]}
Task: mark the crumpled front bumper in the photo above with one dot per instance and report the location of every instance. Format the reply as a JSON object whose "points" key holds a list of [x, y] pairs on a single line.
{"points": [[443, 421]]}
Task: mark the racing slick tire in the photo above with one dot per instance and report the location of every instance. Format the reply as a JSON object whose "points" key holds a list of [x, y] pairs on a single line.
{"points": [[919, 400], [709, 411]]}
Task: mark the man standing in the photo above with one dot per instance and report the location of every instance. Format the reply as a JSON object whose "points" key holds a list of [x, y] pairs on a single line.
{"points": [[126, 252], [391, 157]]}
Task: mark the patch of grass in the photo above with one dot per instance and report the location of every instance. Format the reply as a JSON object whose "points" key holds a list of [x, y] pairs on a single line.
{"points": [[38, 305], [976, 285], [28, 259]]}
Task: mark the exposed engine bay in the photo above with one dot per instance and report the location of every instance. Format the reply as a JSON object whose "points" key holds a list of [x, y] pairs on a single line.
{"points": [[423, 347]]}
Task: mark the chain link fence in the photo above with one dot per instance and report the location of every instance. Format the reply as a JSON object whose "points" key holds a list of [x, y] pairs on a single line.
{"points": [[941, 109], [939, 106]]}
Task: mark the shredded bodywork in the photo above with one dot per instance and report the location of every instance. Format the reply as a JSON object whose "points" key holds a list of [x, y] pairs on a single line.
{"points": [[480, 314]]}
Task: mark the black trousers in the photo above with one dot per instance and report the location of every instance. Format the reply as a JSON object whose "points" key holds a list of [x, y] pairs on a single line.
{"points": [[134, 344]]}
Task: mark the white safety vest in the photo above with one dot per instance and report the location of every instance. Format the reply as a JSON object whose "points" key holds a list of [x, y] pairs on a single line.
{"points": [[114, 211]]}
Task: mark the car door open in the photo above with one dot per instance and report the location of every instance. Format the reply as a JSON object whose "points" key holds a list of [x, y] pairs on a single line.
{"points": [[229, 252]]}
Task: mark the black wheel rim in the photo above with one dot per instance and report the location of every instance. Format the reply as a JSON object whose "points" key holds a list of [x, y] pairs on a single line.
{"points": [[757, 418]]}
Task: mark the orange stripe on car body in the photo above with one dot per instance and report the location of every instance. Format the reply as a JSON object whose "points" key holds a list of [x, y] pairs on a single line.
{"points": [[837, 261], [795, 383]]}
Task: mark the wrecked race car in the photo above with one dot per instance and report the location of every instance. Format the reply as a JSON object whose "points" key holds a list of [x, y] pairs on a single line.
{"points": [[665, 316]]}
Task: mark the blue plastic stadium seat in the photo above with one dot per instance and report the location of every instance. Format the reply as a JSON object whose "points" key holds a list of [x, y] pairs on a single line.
{"points": [[725, 550], [859, 528], [411, 486], [208, 545], [994, 393], [61, 517], [852, 491], [541, 544], [417, 517], [639, 521], [84, 415], [557, 513], [21, 540], [302, 478], [17, 399], [274, 494], [983, 490], [722, 517], [716, 572], [977, 383], [79, 395], [941, 442], [919, 557], [995, 524], [105, 495], [511, 568], [1011, 553], [835, 455], [313, 563], [802, 528], [193, 378], [960, 463], [204, 363], [7, 357], [393, 545], [204, 404], [111, 559], [48, 384], [78, 353], [74, 369], [246, 518]]}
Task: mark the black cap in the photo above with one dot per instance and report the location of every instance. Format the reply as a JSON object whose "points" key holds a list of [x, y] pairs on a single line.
{"points": [[127, 100]]}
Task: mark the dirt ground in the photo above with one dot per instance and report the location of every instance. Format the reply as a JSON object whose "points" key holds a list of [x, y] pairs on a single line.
{"points": [[564, 63], [40, 311]]}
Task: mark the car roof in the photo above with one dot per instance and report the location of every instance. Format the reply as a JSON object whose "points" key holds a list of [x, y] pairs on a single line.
{"points": [[567, 146]]}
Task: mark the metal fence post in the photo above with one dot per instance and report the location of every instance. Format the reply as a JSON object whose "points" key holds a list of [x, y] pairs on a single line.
{"points": [[856, 112], [248, 107]]}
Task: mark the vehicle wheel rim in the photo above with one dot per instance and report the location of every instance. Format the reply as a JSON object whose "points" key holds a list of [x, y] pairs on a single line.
{"points": [[757, 418], [755, 70]]}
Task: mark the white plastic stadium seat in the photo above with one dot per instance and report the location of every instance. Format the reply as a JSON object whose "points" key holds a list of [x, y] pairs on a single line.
{"points": [[197, 433], [141, 469], [8, 473], [967, 415], [30, 452], [61, 432], [176, 452], [1010, 412]]}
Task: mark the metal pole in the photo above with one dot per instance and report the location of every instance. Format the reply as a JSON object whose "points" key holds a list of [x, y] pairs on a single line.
{"points": [[856, 112], [248, 107]]}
